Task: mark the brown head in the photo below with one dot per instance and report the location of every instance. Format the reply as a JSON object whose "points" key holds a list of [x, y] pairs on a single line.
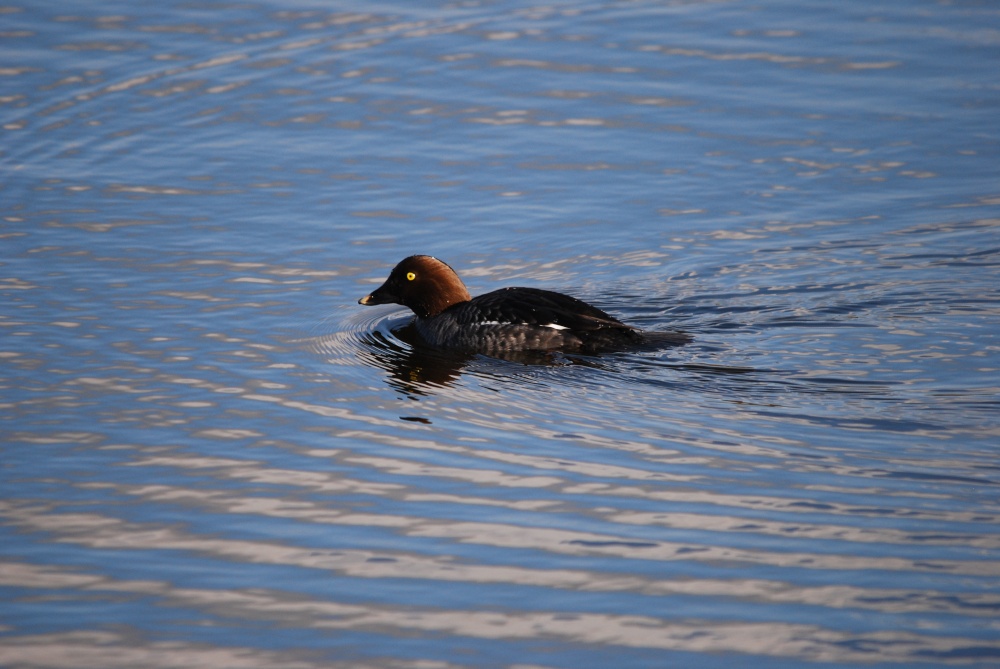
{"points": [[424, 284]]}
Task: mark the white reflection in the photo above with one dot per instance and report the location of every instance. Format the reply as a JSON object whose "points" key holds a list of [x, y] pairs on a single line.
{"points": [[87, 649]]}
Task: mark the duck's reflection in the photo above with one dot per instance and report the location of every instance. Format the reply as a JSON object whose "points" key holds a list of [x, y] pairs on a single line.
{"points": [[413, 368]]}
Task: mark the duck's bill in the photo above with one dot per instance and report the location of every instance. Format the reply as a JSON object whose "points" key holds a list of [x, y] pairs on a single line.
{"points": [[380, 296]]}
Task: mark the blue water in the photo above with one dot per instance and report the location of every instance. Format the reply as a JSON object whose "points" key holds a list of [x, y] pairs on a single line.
{"points": [[212, 456]]}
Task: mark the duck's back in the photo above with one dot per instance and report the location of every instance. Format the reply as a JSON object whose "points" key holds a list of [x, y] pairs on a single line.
{"points": [[512, 319]]}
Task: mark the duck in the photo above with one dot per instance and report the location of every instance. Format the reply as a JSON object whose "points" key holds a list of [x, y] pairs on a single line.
{"points": [[505, 320]]}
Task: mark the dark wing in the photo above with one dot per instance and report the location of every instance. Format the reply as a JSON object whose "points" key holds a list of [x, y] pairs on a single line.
{"points": [[533, 306]]}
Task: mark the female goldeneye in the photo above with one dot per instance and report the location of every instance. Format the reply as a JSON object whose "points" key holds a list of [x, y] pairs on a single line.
{"points": [[509, 319]]}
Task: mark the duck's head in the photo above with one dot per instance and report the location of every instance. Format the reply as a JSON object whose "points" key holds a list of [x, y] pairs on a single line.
{"points": [[423, 283]]}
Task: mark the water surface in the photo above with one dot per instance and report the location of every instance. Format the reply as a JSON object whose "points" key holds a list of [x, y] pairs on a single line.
{"points": [[212, 456]]}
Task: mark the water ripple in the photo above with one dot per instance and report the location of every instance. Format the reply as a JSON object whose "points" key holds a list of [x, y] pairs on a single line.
{"points": [[204, 436]]}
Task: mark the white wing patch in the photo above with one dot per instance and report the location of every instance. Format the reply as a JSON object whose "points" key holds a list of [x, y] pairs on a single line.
{"points": [[554, 326]]}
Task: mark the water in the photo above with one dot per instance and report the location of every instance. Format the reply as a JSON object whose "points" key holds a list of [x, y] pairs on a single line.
{"points": [[212, 456]]}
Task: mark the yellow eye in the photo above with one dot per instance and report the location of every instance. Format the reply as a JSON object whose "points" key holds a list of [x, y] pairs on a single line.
{"points": [[410, 276]]}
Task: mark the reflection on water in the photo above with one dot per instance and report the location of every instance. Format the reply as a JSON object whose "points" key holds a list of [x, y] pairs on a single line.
{"points": [[213, 457]]}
